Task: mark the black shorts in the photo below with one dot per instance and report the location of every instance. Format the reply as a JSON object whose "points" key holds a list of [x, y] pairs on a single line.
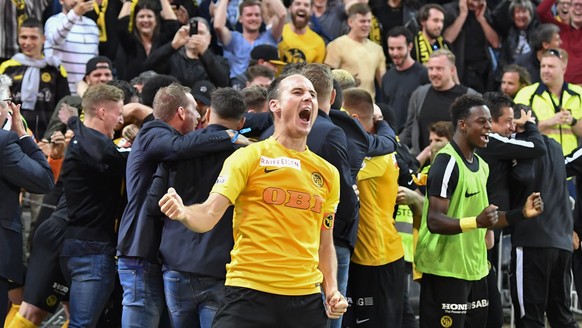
{"points": [[377, 295], [450, 302], [45, 285], [244, 307]]}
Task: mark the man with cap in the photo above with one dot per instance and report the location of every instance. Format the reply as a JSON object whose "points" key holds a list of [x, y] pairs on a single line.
{"points": [[201, 91], [38, 81], [264, 55], [98, 70]]}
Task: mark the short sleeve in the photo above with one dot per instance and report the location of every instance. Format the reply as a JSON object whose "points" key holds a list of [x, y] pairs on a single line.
{"points": [[443, 176], [234, 174]]}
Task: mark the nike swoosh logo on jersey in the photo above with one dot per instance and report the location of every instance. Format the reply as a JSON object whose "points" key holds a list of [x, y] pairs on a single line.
{"points": [[358, 321], [467, 194], [271, 170]]}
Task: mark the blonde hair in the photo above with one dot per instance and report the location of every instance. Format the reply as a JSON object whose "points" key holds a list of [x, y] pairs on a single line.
{"points": [[444, 52], [96, 94]]}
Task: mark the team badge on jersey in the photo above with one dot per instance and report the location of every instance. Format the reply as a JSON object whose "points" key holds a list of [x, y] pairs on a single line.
{"points": [[46, 77], [317, 179], [51, 300], [446, 321]]}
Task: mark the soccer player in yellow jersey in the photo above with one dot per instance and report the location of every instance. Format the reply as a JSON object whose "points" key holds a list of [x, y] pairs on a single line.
{"points": [[285, 198], [376, 279]]}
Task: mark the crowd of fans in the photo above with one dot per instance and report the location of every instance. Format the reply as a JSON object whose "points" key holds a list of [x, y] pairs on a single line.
{"points": [[442, 126]]}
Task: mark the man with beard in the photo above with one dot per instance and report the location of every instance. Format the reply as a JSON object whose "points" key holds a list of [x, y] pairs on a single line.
{"points": [[237, 46], [432, 19], [300, 43], [404, 77]]}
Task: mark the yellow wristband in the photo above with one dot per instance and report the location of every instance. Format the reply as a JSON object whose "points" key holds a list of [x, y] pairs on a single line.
{"points": [[469, 223]]}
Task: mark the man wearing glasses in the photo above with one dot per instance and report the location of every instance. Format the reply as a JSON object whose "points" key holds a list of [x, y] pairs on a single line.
{"points": [[556, 103]]}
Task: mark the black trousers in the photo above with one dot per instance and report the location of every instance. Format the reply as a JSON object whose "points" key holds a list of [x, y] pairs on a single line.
{"points": [[540, 284]]}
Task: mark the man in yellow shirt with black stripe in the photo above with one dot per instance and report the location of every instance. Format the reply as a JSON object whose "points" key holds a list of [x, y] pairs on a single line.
{"points": [[285, 198]]}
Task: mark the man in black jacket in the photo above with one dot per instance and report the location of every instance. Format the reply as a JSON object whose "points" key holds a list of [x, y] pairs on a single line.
{"points": [[499, 154], [541, 257], [92, 175]]}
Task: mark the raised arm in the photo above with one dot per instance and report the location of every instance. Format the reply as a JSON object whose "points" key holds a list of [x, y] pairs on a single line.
{"points": [[278, 20], [22, 163], [167, 11], [56, 31], [490, 34], [222, 32], [198, 217], [452, 32]]}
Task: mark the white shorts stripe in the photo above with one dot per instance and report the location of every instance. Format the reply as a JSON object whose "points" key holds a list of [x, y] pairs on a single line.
{"points": [[519, 279]]}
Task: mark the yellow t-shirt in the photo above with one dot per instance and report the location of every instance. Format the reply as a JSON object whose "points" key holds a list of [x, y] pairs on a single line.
{"points": [[280, 197], [362, 60], [298, 48], [378, 240]]}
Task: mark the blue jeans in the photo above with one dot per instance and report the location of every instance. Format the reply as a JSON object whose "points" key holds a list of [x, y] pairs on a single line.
{"points": [[143, 292], [92, 282], [192, 300], [343, 267]]}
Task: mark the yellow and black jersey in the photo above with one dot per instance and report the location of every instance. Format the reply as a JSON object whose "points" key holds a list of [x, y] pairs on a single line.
{"points": [[52, 87], [378, 240], [280, 198]]}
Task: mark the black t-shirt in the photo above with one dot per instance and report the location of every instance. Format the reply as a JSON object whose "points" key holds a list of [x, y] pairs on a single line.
{"points": [[388, 16], [436, 108], [397, 87], [475, 40]]}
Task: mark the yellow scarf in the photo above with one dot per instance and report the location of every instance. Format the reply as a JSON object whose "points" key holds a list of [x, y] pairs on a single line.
{"points": [[131, 18], [21, 15], [375, 33], [100, 10], [424, 49]]}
